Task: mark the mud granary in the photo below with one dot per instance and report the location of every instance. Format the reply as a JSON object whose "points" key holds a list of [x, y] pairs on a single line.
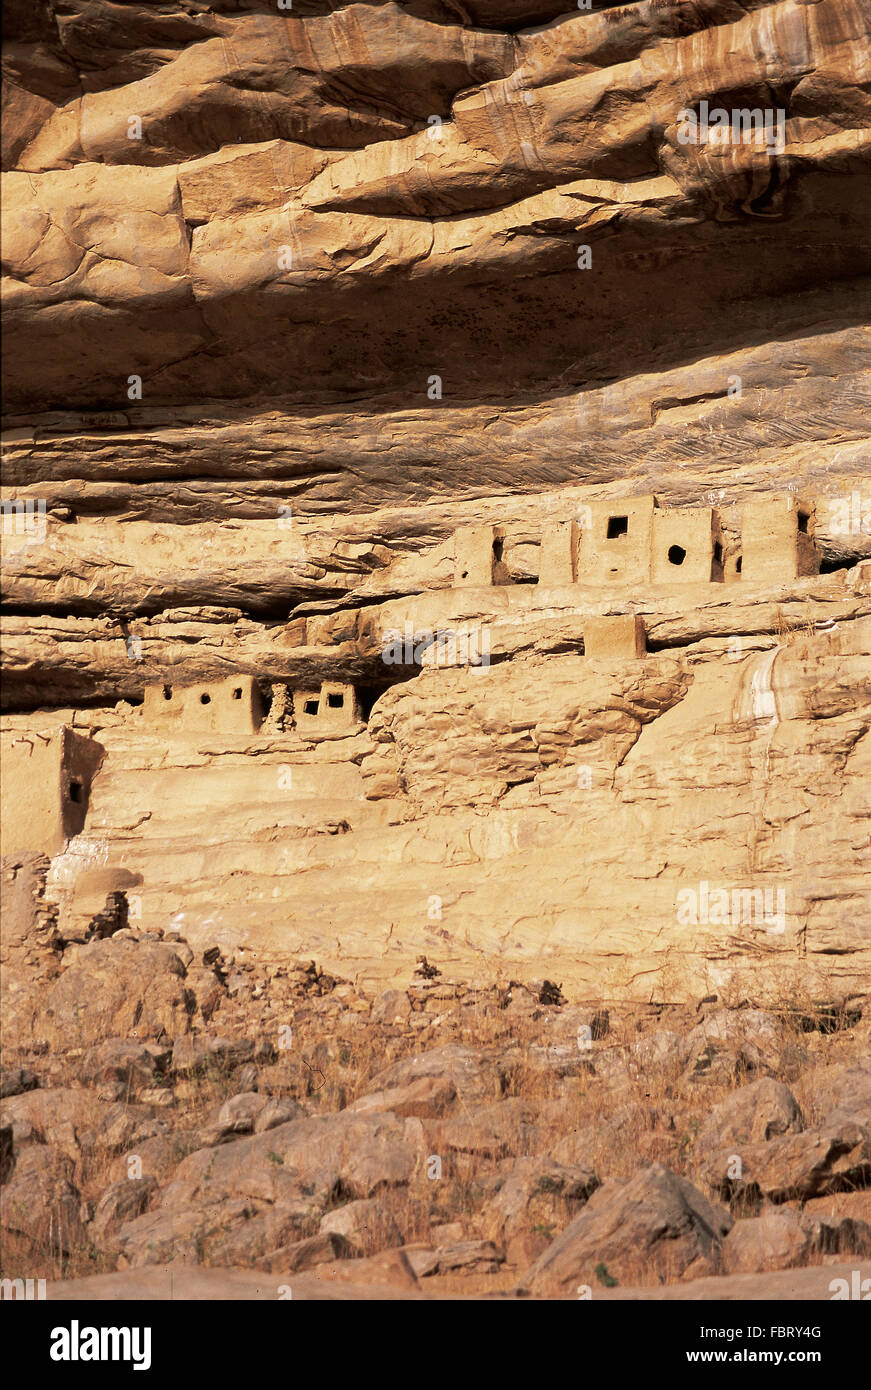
{"points": [[231, 706], [611, 545], [333, 708], [634, 542], [236, 707]]}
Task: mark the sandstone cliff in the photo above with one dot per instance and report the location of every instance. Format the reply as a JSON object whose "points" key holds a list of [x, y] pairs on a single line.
{"points": [[293, 297]]}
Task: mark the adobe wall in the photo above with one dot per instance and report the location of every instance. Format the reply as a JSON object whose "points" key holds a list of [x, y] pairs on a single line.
{"points": [[620, 638], [686, 546], [334, 708], [615, 546], [558, 556], [46, 785], [777, 541], [231, 706], [632, 542], [478, 557]]}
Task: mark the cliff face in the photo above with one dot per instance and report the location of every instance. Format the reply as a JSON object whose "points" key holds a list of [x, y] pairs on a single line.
{"points": [[293, 296]]}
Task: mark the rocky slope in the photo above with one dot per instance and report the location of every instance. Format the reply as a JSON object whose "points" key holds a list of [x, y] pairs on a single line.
{"points": [[166, 1112]]}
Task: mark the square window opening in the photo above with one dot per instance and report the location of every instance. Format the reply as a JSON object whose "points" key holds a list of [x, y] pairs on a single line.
{"points": [[617, 526]]}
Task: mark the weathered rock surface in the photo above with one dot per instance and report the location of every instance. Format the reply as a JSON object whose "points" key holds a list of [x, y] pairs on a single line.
{"points": [[657, 1227], [754, 1113], [40, 1201], [359, 1153], [840, 1095], [487, 804], [535, 1198], [795, 1167], [115, 987], [121, 1202], [476, 156], [780, 1239], [365, 1224]]}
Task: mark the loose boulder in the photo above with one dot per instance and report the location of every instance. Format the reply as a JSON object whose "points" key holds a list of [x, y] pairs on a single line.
{"points": [[652, 1228]]}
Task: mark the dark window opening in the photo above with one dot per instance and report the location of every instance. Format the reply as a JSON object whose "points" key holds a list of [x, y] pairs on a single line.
{"points": [[237, 694], [676, 554], [498, 547], [77, 792], [366, 697], [617, 526], [335, 701], [718, 553], [738, 564], [205, 699], [465, 574], [310, 707], [167, 692], [803, 520]]}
